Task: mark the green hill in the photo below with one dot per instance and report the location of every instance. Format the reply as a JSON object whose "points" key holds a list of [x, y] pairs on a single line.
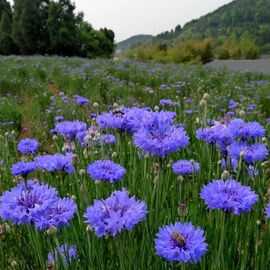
{"points": [[132, 41], [249, 17]]}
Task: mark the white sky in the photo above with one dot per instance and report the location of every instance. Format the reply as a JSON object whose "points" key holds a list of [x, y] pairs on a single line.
{"points": [[130, 17]]}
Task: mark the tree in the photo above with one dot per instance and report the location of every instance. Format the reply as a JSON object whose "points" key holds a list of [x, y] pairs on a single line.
{"points": [[6, 43]]}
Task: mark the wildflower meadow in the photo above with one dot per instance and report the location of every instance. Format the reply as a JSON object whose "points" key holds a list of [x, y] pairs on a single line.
{"points": [[126, 165]]}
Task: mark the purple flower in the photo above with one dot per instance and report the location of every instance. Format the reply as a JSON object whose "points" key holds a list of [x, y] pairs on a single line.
{"points": [[106, 170], [107, 139], [57, 162], [185, 167], [165, 102], [58, 214], [113, 119], [23, 205], [68, 253], [251, 153], [181, 242], [59, 118], [228, 195], [81, 100], [158, 136], [112, 215], [69, 129], [128, 119], [28, 145], [23, 168], [239, 129], [267, 210]]}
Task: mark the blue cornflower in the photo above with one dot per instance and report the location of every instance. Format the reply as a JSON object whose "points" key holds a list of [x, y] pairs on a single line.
{"points": [[165, 102], [251, 152], [58, 214], [23, 168], [158, 136], [106, 170], [69, 129], [68, 253], [27, 145], [122, 118], [112, 215], [23, 205], [185, 167], [267, 210], [107, 139], [81, 100], [228, 195], [112, 119], [239, 129], [56, 162], [181, 242]]}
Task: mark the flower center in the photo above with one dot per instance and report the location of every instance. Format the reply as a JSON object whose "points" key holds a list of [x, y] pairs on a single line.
{"points": [[178, 238]]}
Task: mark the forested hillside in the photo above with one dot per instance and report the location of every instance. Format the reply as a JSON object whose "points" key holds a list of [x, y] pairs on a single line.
{"points": [[238, 30]]}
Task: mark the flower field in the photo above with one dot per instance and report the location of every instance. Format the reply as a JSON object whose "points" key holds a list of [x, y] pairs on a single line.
{"points": [[125, 165]]}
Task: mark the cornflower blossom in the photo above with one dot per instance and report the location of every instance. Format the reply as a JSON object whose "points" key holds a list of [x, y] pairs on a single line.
{"points": [[23, 168], [106, 170], [239, 129], [81, 100], [185, 167], [112, 119], [69, 129], [56, 162], [68, 253], [158, 136], [228, 195], [181, 242], [267, 210], [58, 214], [28, 146], [112, 215], [24, 204], [251, 152], [122, 118]]}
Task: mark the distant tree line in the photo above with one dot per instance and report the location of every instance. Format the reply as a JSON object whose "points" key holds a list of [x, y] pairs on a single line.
{"points": [[195, 51], [50, 27]]}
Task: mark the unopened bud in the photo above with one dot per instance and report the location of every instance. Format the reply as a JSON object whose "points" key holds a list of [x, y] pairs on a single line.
{"points": [[225, 175], [82, 172], [242, 113], [55, 138], [203, 102], [114, 155], [156, 108], [182, 210], [264, 140], [95, 105], [180, 178], [85, 153], [206, 96], [52, 230], [89, 228], [242, 154], [146, 156], [115, 105]]}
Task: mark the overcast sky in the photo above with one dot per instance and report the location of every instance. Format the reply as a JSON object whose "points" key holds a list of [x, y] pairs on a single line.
{"points": [[130, 17]]}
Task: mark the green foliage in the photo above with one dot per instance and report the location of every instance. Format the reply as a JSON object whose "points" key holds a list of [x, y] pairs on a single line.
{"points": [[53, 27], [191, 51], [10, 114]]}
